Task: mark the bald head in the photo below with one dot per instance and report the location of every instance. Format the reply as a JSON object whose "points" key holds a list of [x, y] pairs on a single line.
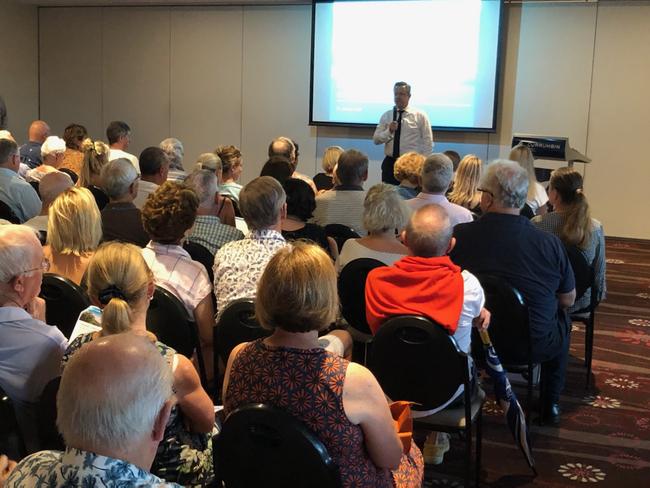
{"points": [[38, 131], [428, 233], [52, 185], [111, 393], [283, 146]]}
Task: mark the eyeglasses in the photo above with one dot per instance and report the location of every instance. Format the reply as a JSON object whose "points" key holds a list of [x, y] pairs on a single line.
{"points": [[45, 267], [483, 190]]}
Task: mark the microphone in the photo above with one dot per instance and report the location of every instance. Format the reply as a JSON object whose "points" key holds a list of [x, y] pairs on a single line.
{"points": [[394, 113]]}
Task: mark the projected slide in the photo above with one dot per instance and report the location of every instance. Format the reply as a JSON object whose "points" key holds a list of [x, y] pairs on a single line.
{"points": [[445, 49]]}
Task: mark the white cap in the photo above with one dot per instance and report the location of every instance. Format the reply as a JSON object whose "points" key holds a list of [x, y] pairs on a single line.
{"points": [[52, 144]]}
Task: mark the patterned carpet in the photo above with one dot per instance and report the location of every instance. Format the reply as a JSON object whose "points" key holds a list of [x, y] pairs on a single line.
{"points": [[604, 437]]}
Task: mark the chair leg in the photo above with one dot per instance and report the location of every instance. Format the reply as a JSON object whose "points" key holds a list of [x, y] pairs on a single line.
{"points": [[468, 454], [479, 444]]}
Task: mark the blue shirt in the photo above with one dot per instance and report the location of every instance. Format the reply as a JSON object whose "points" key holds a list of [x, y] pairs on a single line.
{"points": [[19, 195], [30, 154], [531, 260]]}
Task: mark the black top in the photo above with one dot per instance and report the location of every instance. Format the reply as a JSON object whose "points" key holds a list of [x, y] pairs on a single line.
{"points": [[533, 261], [312, 232], [323, 182], [122, 222]]}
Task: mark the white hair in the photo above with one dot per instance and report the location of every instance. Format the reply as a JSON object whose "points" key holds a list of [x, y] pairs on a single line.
{"points": [[117, 176], [107, 404], [204, 183], [507, 181], [19, 245], [174, 150], [209, 161], [437, 173], [384, 209], [52, 145]]}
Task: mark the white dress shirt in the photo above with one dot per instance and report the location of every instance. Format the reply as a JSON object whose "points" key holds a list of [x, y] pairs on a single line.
{"points": [[118, 153], [415, 133], [145, 188]]}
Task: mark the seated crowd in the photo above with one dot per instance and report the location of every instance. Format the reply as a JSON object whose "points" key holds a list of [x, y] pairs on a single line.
{"points": [[133, 410]]}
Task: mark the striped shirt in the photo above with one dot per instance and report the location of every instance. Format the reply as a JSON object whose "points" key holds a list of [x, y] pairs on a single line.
{"points": [[342, 205]]}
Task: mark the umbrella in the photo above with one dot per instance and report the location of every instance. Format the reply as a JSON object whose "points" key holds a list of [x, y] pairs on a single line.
{"points": [[507, 399]]}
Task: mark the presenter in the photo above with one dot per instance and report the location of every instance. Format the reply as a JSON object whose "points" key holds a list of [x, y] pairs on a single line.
{"points": [[401, 130]]}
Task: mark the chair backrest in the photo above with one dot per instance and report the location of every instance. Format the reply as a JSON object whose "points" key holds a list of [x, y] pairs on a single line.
{"points": [[100, 196], [526, 211], [36, 186], [340, 233], [260, 445], [48, 434], [416, 359], [8, 214], [236, 324], [352, 291], [200, 254], [582, 271], [167, 319], [73, 176], [64, 301], [509, 323], [235, 205]]}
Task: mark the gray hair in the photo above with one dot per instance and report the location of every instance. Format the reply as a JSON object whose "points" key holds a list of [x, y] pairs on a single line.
{"points": [[384, 209], [204, 183], [260, 202], [508, 183], [429, 231], [209, 161], [175, 152], [437, 173], [18, 247], [117, 177], [52, 145], [107, 404]]}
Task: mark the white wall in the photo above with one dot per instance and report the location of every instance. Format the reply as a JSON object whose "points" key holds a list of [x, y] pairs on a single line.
{"points": [[240, 75]]}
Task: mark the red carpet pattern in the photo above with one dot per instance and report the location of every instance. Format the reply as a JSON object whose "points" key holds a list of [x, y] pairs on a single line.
{"points": [[603, 439]]}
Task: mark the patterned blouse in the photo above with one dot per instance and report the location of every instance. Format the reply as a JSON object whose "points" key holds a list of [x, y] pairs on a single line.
{"points": [[76, 468], [183, 457], [239, 265], [308, 383]]}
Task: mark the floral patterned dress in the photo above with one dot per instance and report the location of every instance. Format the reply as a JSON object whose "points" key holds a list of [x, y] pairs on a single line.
{"points": [[183, 457], [308, 383]]}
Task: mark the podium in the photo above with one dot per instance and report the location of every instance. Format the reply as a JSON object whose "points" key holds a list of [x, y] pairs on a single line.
{"points": [[550, 148]]}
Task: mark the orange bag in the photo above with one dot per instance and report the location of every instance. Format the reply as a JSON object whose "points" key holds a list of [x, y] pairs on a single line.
{"points": [[401, 412]]}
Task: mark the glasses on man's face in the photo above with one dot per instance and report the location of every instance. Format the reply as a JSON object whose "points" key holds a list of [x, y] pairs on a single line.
{"points": [[483, 190], [45, 267]]}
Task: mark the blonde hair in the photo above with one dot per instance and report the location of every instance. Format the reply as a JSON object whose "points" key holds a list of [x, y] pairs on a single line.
{"points": [[74, 223], [384, 210], [577, 227], [522, 154], [299, 277], [95, 157], [466, 182], [408, 167], [118, 277], [330, 158]]}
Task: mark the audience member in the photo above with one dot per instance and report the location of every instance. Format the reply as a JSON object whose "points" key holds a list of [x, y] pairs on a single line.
{"points": [[232, 166], [112, 406], [121, 284], [277, 167], [14, 191], [52, 154], [30, 152], [344, 203], [208, 229], [118, 134], [364, 446], [437, 173], [572, 223], [73, 135], [300, 207], [465, 192], [50, 187], [455, 158], [225, 204], [537, 197], [121, 219], [324, 181], [384, 216], [154, 167], [95, 158], [287, 148], [407, 170], [238, 265], [74, 229], [210, 161], [168, 215], [30, 350], [174, 150], [505, 244]]}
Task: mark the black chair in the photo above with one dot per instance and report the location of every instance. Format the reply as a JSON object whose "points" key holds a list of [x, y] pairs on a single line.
{"points": [[48, 433], [8, 214], [36, 185], [100, 196], [236, 324], [527, 212], [73, 176], [64, 301], [202, 255], [235, 205], [11, 437], [415, 359], [263, 446], [167, 319], [510, 333], [340, 233], [585, 277]]}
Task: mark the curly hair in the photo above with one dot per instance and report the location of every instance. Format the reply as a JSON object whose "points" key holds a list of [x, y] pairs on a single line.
{"points": [[408, 167], [73, 135], [169, 212], [229, 155], [95, 158]]}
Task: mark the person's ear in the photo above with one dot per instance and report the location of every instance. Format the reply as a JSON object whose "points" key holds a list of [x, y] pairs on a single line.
{"points": [[162, 418], [151, 288], [402, 238], [364, 176], [452, 244], [283, 211], [18, 283]]}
